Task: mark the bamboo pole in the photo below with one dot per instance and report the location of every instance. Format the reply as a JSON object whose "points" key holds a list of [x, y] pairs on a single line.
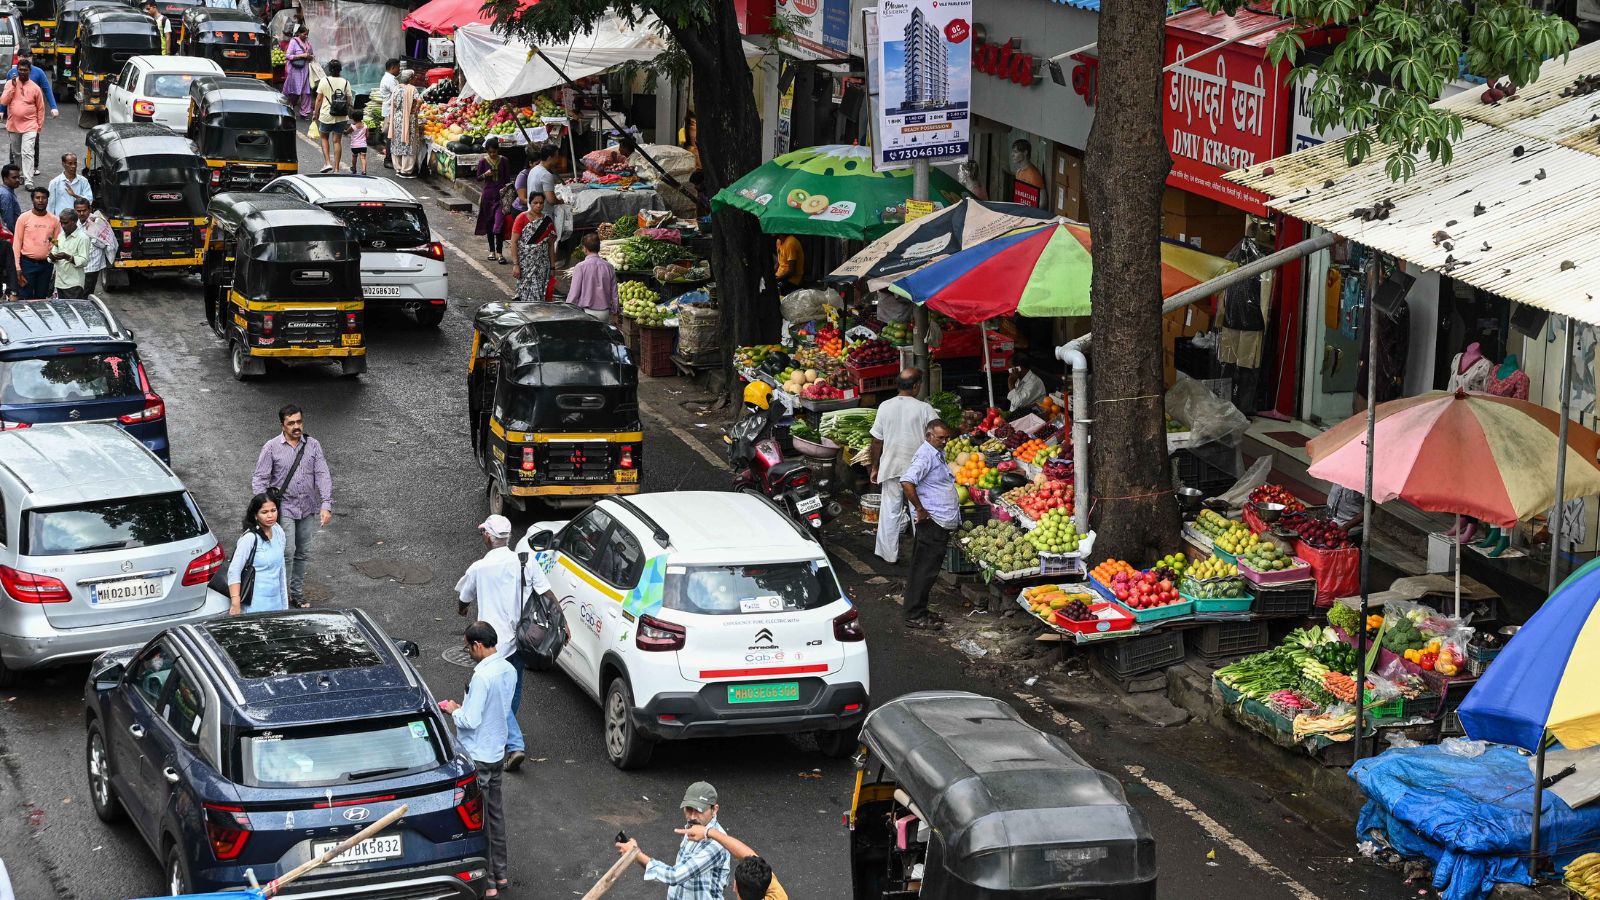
{"points": [[612, 874]]}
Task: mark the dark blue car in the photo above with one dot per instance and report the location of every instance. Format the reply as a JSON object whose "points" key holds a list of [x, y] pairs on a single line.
{"points": [[254, 743], [71, 361]]}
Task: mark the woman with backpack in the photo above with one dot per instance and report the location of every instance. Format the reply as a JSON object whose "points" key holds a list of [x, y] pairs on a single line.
{"points": [[494, 171], [255, 574], [335, 97]]}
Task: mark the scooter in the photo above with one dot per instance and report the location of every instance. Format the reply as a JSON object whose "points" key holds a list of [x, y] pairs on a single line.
{"points": [[759, 466]]}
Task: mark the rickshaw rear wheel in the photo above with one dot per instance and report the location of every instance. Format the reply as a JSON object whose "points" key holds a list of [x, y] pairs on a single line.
{"points": [[239, 360], [497, 500], [625, 746], [839, 744]]}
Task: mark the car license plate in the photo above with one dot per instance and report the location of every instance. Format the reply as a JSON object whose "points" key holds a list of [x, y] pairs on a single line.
{"points": [[380, 290], [810, 504], [628, 476], [771, 692], [384, 846], [130, 589]]}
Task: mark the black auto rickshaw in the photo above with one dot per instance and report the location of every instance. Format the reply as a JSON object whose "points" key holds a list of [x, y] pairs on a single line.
{"points": [[39, 28], [233, 39], [554, 404], [153, 188], [283, 283], [107, 38], [64, 73], [957, 798], [244, 130]]}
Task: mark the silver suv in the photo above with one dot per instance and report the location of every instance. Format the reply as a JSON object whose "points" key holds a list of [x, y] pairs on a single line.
{"points": [[100, 546]]}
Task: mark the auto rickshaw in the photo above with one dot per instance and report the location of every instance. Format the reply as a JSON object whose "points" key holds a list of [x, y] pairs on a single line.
{"points": [[153, 188], [64, 73], [244, 130], [39, 27], [957, 798], [107, 38], [233, 39], [553, 399], [283, 283]]}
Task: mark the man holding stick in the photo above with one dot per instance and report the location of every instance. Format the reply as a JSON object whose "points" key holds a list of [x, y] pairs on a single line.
{"points": [[701, 870]]}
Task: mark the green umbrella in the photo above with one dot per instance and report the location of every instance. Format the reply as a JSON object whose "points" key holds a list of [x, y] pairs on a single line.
{"points": [[832, 191]]}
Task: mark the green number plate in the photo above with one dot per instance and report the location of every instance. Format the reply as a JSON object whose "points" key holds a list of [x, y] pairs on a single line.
{"points": [[771, 692]]}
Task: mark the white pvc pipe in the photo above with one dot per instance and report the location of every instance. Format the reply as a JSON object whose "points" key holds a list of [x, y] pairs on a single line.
{"points": [[1071, 353]]}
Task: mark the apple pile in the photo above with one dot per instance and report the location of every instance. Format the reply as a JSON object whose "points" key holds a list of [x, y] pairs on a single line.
{"points": [[821, 391], [875, 352], [1320, 533], [1045, 496], [1276, 493], [1143, 590], [992, 420]]}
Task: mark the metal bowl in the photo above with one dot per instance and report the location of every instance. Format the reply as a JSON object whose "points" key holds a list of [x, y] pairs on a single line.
{"points": [[1507, 632], [1189, 498], [1269, 512]]}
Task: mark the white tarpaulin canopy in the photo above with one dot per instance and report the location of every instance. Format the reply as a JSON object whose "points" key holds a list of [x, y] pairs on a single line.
{"points": [[497, 67]]}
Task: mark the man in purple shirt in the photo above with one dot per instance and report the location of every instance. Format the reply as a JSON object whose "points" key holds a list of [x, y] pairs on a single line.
{"points": [[930, 491], [594, 283], [291, 465]]}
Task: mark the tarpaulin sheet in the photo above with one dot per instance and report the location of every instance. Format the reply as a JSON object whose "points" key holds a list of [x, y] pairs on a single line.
{"points": [[1472, 817], [445, 16], [496, 67], [360, 35]]}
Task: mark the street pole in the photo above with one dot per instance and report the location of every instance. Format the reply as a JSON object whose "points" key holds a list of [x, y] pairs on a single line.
{"points": [[1366, 510], [1559, 510], [919, 312]]}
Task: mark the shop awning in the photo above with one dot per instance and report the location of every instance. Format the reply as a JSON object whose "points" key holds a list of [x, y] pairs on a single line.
{"points": [[445, 16], [1090, 5], [496, 67], [1514, 212]]}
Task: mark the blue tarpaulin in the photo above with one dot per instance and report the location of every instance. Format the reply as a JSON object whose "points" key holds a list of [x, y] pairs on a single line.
{"points": [[1472, 817]]}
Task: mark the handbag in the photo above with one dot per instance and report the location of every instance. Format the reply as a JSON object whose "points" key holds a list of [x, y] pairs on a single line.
{"points": [[539, 639], [275, 491], [247, 577], [299, 62]]}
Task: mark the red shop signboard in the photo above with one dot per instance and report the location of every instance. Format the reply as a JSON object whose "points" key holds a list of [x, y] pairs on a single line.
{"points": [[1226, 110]]}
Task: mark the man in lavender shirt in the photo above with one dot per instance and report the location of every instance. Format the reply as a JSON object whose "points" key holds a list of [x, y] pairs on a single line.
{"points": [[594, 283], [299, 511]]}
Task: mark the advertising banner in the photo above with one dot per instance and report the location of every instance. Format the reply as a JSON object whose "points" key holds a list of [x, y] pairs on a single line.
{"points": [[821, 28], [923, 56]]}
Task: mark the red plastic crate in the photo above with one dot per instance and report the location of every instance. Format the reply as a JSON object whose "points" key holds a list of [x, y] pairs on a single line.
{"points": [[1108, 616], [655, 351], [870, 379]]}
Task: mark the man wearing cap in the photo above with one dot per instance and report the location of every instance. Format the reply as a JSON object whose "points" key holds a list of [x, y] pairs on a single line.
{"points": [[494, 583], [701, 870], [481, 727]]}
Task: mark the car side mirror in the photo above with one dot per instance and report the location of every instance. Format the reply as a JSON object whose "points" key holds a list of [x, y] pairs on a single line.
{"points": [[541, 541], [109, 677], [408, 649]]}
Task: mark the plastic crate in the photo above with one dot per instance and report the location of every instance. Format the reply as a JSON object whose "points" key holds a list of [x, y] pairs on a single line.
{"points": [[1225, 639], [976, 513], [1292, 600], [871, 379], [956, 561], [1208, 472], [630, 335], [1218, 604], [655, 351], [1479, 657], [1146, 653]]}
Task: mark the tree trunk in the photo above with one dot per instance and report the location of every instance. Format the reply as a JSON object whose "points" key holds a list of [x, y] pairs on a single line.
{"points": [[729, 123], [1134, 511]]}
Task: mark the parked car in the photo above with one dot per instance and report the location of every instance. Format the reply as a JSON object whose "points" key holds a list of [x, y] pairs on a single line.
{"points": [[256, 742], [100, 546], [14, 40], [402, 260], [156, 89], [750, 632], [72, 361]]}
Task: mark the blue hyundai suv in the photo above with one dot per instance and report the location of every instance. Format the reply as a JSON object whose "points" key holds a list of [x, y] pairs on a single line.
{"points": [[243, 747], [72, 361]]}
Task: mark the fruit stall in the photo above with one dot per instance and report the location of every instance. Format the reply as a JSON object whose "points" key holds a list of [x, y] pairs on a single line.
{"points": [[456, 128], [669, 311]]}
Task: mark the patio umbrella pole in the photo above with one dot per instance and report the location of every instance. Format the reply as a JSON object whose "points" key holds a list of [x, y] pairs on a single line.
{"points": [[920, 173], [1538, 802], [1458, 566], [1560, 507], [988, 376], [1366, 516]]}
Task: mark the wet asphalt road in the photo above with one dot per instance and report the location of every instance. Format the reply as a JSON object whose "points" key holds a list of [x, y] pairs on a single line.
{"points": [[408, 495]]}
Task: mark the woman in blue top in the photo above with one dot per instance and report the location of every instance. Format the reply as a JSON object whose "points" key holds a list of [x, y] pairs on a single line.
{"points": [[265, 540]]}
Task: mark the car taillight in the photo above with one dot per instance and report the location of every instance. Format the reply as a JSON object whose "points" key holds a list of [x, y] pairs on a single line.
{"points": [[26, 587], [847, 627], [527, 459], [12, 426], [350, 323], [154, 409], [469, 803], [144, 108], [202, 567], [434, 250], [626, 461], [228, 827], [266, 324], [655, 635]]}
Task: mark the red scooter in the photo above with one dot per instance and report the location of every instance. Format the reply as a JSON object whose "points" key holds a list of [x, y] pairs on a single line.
{"points": [[759, 466]]}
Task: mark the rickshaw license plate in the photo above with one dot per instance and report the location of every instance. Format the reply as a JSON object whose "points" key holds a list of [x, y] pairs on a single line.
{"points": [[350, 340], [771, 692], [627, 475]]}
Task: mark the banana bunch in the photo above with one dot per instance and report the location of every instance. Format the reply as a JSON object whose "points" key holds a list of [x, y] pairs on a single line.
{"points": [[1582, 877]]}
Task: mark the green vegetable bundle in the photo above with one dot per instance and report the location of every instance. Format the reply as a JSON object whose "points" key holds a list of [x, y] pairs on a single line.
{"points": [[1342, 616], [851, 428], [625, 226], [642, 253], [948, 403], [1260, 675]]}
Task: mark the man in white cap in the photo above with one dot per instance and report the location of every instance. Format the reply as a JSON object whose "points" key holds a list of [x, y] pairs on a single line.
{"points": [[494, 583], [701, 870]]}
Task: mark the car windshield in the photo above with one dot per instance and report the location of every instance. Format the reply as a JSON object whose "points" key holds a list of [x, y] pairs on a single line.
{"points": [[168, 85], [345, 753], [736, 590], [399, 226], [68, 379], [112, 525]]}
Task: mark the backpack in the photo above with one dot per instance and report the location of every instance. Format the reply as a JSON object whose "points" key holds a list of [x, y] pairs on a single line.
{"points": [[339, 100], [541, 629]]}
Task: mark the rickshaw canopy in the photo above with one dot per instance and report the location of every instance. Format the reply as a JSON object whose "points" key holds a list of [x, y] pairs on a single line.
{"points": [[117, 28], [287, 249]]}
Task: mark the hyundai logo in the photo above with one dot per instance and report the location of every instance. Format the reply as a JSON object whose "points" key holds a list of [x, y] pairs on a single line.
{"points": [[357, 814], [764, 636], [379, 245]]}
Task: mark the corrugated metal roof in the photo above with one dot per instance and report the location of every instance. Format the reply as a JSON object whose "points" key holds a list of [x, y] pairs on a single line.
{"points": [[1515, 212], [1090, 5]]}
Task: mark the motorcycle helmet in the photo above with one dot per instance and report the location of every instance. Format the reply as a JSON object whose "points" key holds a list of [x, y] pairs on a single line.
{"points": [[757, 394]]}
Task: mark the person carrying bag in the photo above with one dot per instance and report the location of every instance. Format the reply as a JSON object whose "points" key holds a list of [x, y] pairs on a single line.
{"points": [[256, 581], [541, 628]]}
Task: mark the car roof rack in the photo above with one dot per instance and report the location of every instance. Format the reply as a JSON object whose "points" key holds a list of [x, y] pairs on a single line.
{"points": [[656, 531]]}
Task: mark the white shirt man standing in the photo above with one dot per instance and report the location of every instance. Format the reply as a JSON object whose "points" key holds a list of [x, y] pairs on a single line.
{"points": [[896, 435]]}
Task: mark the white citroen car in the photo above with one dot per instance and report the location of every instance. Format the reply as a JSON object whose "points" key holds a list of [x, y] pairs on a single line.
{"points": [[702, 614]]}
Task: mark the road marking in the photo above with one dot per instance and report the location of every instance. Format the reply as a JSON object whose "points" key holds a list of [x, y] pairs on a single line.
{"points": [[1044, 709], [1222, 835], [694, 444]]}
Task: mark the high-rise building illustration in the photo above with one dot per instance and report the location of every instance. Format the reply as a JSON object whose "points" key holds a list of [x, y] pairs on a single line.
{"points": [[927, 67]]}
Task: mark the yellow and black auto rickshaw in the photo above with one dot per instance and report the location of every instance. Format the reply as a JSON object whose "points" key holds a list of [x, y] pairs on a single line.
{"points": [[957, 798], [153, 188], [554, 404], [64, 70], [107, 38], [283, 284], [244, 130], [39, 28], [231, 38]]}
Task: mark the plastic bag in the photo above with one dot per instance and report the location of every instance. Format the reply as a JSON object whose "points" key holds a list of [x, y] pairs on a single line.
{"points": [[1210, 420], [312, 131], [1458, 746], [1253, 477], [894, 308], [1398, 739], [809, 304]]}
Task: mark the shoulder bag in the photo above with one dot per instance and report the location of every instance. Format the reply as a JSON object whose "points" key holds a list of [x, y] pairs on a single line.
{"points": [[541, 629], [247, 576], [275, 491]]}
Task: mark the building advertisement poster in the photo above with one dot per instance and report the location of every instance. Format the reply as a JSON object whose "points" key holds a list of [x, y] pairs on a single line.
{"points": [[923, 51], [821, 28]]}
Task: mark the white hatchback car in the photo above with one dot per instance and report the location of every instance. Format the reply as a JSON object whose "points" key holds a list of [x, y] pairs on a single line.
{"points": [[156, 89], [402, 261], [699, 614]]}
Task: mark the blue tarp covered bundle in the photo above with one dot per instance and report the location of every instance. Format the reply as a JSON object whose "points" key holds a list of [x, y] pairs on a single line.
{"points": [[1472, 816]]}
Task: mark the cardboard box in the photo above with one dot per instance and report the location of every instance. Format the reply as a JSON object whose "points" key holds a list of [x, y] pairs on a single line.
{"points": [[1066, 184], [1216, 234]]}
